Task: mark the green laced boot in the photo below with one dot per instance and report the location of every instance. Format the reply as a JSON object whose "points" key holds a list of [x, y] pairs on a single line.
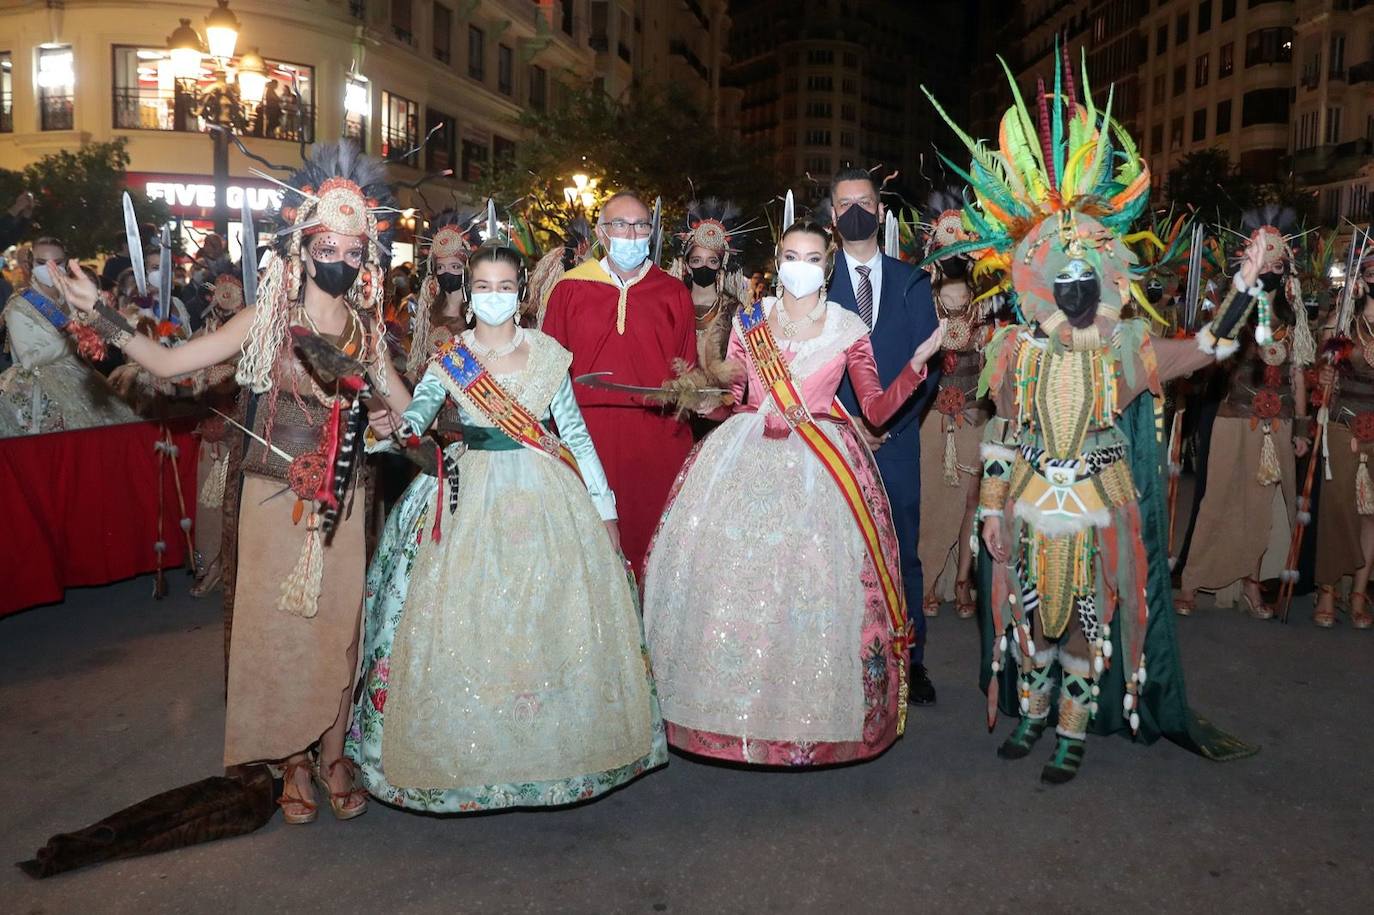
{"points": [[1018, 744], [1063, 765]]}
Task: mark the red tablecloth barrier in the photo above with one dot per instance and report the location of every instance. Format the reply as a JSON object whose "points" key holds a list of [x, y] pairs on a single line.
{"points": [[80, 508]]}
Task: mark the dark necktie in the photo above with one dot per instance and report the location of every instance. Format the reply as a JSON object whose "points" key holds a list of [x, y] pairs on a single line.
{"points": [[863, 296]]}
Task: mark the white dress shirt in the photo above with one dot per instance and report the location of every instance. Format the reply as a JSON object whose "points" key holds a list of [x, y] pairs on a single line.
{"points": [[875, 277]]}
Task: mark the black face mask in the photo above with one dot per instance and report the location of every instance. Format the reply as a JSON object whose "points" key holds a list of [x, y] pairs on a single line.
{"points": [[857, 224], [1270, 281], [954, 268], [1078, 300], [335, 278], [704, 276], [1153, 293], [450, 282]]}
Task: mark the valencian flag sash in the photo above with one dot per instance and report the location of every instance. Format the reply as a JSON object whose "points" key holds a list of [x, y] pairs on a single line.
{"points": [[772, 370], [497, 404], [47, 308]]}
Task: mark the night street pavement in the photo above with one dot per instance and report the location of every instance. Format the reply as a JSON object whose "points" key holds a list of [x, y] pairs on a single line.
{"points": [[113, 697]]}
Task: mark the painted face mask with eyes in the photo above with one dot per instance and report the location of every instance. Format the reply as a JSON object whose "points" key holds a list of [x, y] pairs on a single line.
{"points": [[1077, 293], [1154, 291]]}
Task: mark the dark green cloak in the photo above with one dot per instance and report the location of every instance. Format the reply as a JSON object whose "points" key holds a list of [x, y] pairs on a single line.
{"points": [[1164, 710]]}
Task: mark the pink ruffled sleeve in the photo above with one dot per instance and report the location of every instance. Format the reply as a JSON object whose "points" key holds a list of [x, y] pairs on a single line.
{"points": [[878, 405]]}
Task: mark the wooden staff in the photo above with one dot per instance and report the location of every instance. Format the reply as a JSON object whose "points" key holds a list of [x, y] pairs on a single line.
{"points": [[1175, 470], [1304, 516], [173, 452]]}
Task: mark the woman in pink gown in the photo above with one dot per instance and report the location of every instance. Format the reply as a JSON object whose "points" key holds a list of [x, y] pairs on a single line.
{"points": [[768, 622]]}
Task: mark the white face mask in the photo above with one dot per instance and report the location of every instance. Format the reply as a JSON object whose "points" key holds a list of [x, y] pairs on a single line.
{"points": [[495, 307], [154, 277], [41, 274], [800, 278]]}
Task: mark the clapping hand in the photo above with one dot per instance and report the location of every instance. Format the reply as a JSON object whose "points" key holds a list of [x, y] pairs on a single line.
{"points": [[78, 290], [928, 348]]}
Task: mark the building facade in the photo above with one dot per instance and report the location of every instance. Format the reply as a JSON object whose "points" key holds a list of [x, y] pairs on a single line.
{"points": [[429, 85], [1333, 108], [832, 83]]}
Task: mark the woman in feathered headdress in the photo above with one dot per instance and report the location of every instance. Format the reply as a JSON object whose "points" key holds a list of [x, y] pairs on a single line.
{"points": [[1343, 403], [442, 310], [1058, 503], [297, 581], [950, 432], [708, 263], [1247, 514]]}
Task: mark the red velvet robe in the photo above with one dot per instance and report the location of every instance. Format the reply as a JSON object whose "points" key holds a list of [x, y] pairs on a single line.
{"points": [[642, 447]]}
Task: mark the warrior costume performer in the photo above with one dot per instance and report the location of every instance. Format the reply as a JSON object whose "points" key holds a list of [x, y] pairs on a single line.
{"points": [[451, 241], [711, 235], [952, 430], [212, 470], [299, 566], [1345, 515], [49, 387], [635, 329], [1069, 504], [532, 689], [1247, 516], [773, 600]]}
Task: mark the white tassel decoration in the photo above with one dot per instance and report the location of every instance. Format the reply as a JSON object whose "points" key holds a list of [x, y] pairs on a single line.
{"points": [[212, 490], [300, 593], [1269, 472], [951, 455], [1364, 488]]}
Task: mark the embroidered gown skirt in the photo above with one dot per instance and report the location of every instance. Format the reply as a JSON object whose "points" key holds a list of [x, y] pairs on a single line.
{"points": [[766, 624], [504, 665]]}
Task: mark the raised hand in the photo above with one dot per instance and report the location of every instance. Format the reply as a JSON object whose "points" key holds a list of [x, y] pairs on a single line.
{"points": [[929, 347], [78, 290], [1251, 262]]}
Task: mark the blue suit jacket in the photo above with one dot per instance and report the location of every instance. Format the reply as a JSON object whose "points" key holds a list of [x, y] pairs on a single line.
{"points": [[906, 316]]}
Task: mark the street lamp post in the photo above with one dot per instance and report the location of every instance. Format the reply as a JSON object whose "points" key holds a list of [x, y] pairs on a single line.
{"points": [[222, 105]]}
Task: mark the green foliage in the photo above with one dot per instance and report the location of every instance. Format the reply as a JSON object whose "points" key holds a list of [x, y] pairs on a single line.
{"points": [[652, 142], [1208, 181], [78, 197]]}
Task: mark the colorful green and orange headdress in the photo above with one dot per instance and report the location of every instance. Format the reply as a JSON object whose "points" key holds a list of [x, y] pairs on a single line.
{"points": [[1067, 181]]}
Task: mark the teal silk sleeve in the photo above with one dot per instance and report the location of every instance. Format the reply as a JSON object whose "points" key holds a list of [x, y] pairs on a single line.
{"points": [[425, 403], [573, 430]]}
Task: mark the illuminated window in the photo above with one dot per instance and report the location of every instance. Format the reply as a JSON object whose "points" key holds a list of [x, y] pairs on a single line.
{"points": [[400, 129], [148, 96], [56, 87]]}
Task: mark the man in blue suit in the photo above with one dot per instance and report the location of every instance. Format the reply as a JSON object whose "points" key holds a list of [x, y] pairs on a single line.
{"points": [[895, 300]]}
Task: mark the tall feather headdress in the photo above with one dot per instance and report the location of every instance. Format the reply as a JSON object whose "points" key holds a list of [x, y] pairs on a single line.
{"points": [[1067, 177]]}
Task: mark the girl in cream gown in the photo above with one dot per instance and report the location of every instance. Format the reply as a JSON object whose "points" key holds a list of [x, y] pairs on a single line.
{"points": [[504, 663]]}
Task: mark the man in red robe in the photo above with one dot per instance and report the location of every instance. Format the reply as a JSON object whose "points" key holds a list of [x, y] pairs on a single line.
{"points": [[624, 315]]}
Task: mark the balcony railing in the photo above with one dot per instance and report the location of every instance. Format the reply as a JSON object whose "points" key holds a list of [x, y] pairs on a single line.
{"points": [[56, 112], [396, 144], [1361, 73], [598, 43], [6, 113], [153, 109]]}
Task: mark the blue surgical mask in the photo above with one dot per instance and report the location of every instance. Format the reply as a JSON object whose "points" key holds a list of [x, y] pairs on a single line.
{"points": [[629, 253], [495, 307]]}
